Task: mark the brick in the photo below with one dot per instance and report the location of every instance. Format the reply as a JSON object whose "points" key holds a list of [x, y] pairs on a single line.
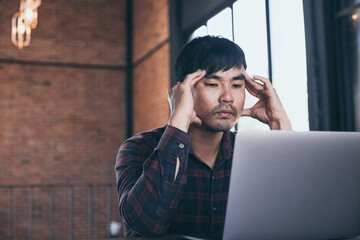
{"points": [[151, 76], [65, 132], [81, 32], [151, 25], [64, 124], [151, 83]]}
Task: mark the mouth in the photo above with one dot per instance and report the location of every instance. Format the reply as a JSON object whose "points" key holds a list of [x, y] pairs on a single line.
{"points": [[225, 113]]}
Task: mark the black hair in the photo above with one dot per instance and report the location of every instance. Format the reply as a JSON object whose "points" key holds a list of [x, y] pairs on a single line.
{"points": [[208, 53]]}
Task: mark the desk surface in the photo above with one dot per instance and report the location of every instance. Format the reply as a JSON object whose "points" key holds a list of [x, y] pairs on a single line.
{"points": [[180, 237], [166, 237]]}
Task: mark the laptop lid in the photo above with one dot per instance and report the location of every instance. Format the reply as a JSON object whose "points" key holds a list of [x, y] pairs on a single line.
{"points": [[294, 185]]}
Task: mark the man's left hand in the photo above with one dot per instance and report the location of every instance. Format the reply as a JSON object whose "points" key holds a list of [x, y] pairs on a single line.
{"points": [[268, 109]]}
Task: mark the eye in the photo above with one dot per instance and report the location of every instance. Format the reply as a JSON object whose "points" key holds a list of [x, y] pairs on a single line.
{"points": [[237, 85], [211, 84]]}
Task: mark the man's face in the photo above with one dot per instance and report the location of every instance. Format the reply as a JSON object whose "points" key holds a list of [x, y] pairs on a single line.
{"points": [[219, 99]]}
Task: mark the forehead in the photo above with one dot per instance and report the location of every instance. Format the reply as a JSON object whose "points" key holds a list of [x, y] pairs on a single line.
{"points": [[229, 73]]}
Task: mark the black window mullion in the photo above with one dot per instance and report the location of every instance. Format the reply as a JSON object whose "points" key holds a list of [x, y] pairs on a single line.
{"points": [[268, 35], [232, 23]]}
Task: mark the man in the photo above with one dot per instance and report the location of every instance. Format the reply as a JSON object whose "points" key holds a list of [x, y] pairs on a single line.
{"points": [[175, 179]]}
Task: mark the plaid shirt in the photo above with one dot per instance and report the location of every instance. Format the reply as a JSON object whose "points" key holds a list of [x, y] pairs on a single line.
{"points": [[151, 203]]}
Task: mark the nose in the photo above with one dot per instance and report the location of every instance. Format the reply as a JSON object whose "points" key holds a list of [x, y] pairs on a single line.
{"points": [[226, 96]]}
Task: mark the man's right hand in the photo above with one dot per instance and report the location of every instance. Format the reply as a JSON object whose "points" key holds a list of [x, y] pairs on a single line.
{"points": [[181, 102]]}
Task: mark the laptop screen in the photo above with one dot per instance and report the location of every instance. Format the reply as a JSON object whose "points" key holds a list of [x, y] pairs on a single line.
{"points": [[294, 185]]}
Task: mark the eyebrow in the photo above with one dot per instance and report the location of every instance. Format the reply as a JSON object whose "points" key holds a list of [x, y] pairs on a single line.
{"points": [[216, 77], [239, 77]]}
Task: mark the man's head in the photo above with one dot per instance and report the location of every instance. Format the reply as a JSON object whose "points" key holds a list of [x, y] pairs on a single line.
{"points": [[219, 96], [208, 53]]}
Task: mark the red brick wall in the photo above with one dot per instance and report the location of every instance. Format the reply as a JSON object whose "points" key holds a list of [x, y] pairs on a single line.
{"points": [[59, 124], [62, 107], [151, 72], [81, 31], [62, 114], [60, 216]]}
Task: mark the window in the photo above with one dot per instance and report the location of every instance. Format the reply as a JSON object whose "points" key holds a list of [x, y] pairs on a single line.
{"points": [[216, 24], [349, 64], [271, 33]]}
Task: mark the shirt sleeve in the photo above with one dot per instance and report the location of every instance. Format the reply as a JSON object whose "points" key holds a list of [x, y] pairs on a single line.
{"points": [[148, 190]]}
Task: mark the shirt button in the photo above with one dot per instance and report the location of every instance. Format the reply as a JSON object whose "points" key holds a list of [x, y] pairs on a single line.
{"points": [[181, 145]]}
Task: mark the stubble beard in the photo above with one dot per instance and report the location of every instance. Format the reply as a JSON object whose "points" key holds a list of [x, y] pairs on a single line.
{"points": [[221, 126], [215, 124]]}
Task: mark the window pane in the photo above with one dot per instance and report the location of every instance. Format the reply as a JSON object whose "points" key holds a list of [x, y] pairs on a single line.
{"points": [[250, 34], [221, 24], [200, 32], [348, 3], [350, 49], [342, 4], [356, 69], [289, 59]]}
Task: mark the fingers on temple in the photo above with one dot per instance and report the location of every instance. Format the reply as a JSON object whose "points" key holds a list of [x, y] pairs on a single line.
{"points": [[252, 84], [253, 87], [264, 80], [194, 77], [197, 78], [253, 92]]}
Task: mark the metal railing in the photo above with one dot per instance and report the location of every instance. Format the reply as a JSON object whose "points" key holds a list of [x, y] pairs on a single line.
{"points": [[109, 186]]}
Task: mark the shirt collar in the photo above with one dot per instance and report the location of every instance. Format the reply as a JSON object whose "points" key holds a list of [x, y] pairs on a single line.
{"points": [[226, 146]]}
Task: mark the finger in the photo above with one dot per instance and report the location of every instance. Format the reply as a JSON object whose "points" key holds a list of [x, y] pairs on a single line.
{"points": [[255, 93], [191, 76], [264, 80], [173, 89], [197, 79], [253, 84]]}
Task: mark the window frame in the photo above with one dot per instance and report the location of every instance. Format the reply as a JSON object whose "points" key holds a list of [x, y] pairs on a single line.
{"points": [[331, 102]]}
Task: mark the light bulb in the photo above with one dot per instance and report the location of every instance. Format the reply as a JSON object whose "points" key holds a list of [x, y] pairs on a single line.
{"points": [[355, 16], [20, 27], [28, 30], [23, 21], [29, 15]]}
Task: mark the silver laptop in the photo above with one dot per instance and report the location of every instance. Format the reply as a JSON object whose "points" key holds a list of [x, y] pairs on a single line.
{"points": [[294, 185]]}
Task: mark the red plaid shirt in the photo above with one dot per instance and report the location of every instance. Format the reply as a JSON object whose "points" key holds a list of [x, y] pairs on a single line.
{"points": [[151, 203]]}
